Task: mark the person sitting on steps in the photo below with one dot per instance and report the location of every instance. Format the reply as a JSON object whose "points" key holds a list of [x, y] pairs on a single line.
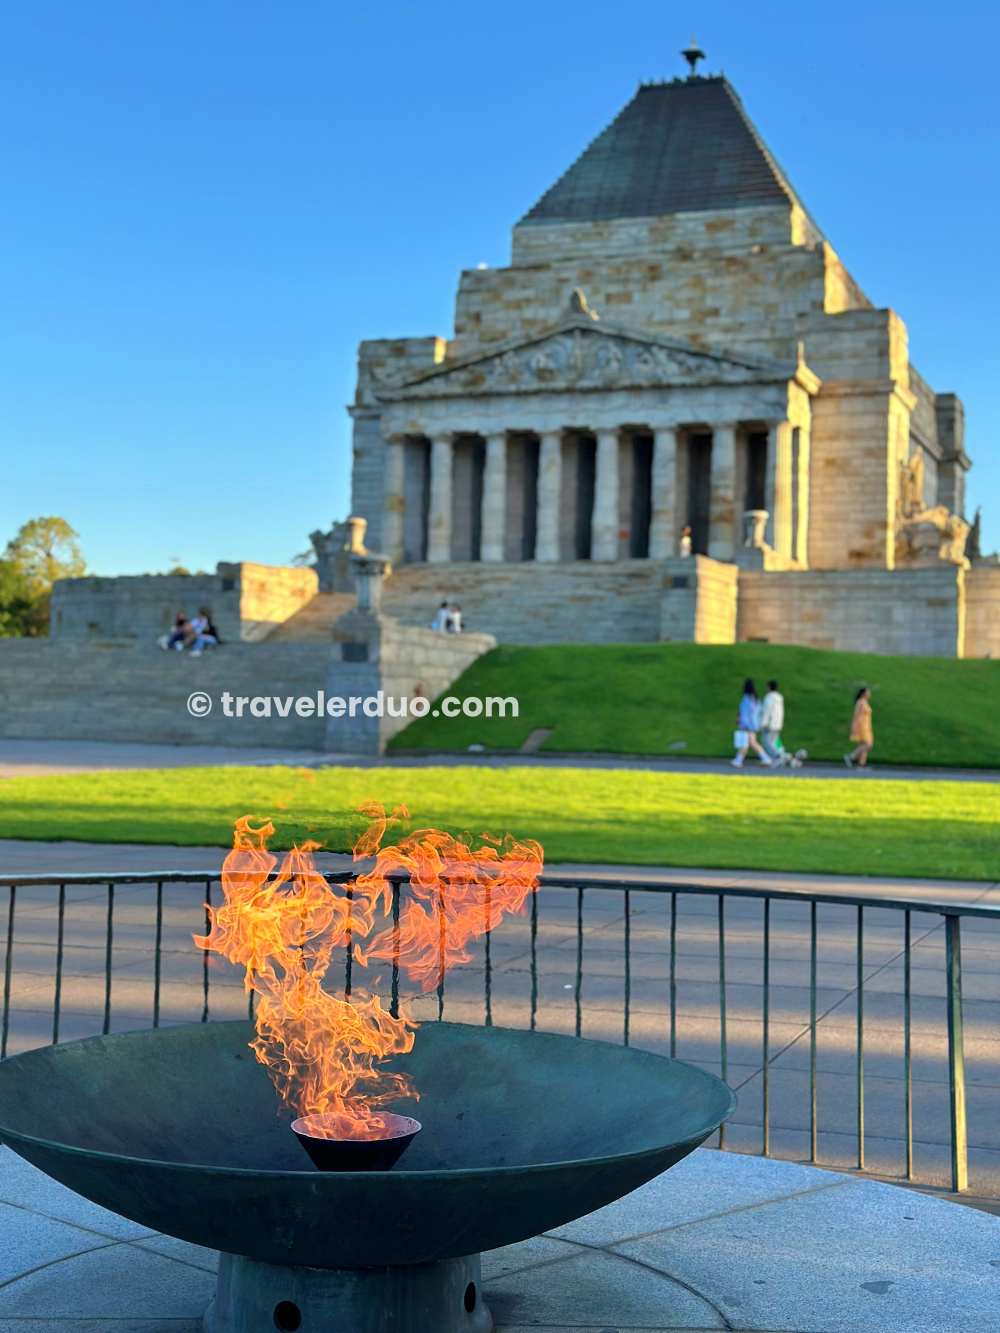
{"points": [[178, 635], [205, 635]]}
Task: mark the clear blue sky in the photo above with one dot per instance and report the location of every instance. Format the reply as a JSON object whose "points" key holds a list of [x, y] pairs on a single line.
{"points": [[206, 206]]}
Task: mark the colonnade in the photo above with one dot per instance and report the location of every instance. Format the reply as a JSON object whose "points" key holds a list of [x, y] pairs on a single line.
{"points": [[603, 494]]}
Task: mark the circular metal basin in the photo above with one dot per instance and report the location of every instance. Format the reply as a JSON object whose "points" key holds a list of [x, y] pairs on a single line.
{"points": [[178, 1130]]}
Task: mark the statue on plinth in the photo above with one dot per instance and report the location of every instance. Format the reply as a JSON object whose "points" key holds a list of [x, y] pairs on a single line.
{"points": [[754, 527], [926, 535], [334, 551]]}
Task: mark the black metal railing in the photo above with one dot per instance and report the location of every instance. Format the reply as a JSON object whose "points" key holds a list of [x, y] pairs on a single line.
{"points": [[570, 896]]}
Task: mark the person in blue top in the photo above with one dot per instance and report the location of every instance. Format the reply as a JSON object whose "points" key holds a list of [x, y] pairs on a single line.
{"points": [[747, 725]]}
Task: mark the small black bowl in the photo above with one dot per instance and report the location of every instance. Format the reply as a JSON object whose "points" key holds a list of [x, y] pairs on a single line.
{"points": [[379, 1154]]}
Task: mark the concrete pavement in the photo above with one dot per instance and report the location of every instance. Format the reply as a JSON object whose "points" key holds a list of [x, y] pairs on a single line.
{"points": [[40, 758], [718, 1242]]}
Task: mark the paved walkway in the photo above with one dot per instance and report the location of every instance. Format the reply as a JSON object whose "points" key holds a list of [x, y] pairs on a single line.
{"points": [[719, 1242], [29, 759], [38, 758]]}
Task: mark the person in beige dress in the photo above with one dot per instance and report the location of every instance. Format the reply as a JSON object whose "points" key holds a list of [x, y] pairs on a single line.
{"points": [[861, 730]]}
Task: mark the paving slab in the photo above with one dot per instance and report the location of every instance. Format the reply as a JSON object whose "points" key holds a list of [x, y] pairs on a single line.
{"points": [[720, 1242], [863, 1255]]}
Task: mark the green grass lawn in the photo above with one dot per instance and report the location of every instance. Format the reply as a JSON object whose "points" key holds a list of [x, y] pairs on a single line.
{"points": [[862, 826], [682, 698]]}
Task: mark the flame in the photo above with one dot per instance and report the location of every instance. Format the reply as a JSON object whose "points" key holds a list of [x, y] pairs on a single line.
{"points": [[325, 1054]]}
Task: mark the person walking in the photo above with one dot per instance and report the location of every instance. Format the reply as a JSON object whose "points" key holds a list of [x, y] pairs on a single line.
{"points": [[772, 720], [862, 732], [747, 726]]}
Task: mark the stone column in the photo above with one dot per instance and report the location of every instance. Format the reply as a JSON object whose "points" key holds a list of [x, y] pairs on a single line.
{"points": [[778, 486], [604, 529], [722, 504], [395, 499], [439, 517], [549, 488], [663, 518], [771, 468], [494, 520]]}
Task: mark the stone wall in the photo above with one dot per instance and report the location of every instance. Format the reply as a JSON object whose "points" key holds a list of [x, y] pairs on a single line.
{"points": [[142, 606], [375, 655], [698, 601], [368, 475], [715, 620], [982, 611], [951, 438], [269, 594], [851, 504], [61, 690], [916, 612], [246, 601], [757, 298], [537, 242]]}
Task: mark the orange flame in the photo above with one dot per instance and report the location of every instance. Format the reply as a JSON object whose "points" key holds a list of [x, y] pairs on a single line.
{"points": [[324, 1054]]}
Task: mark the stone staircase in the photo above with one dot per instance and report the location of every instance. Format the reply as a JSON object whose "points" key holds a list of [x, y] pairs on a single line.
{"points": [[568, 602], [313, 623], [573, 602]]}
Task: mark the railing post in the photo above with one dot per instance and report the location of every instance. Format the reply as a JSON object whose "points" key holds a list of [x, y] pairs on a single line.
{"points": [[956, 1055]]}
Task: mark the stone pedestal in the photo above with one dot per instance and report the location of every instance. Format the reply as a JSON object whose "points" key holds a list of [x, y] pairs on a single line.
{"points": [[370, 572], [379, 668], [254, 1297]]}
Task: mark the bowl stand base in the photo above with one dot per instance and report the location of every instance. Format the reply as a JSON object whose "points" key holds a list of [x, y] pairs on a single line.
{"points": [[255, 1297]]}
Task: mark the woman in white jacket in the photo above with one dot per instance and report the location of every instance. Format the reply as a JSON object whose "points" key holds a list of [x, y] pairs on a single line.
{"points": [[772, 720]]}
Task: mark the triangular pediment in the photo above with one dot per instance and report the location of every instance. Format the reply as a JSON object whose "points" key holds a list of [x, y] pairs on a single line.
{"points": [[584, 355]]}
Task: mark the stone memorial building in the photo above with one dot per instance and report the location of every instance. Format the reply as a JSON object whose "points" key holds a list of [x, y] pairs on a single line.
{"points": [[675, 356]]}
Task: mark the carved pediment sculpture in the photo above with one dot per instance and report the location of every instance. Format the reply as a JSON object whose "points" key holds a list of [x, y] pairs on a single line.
{"points": [[582, 355]]}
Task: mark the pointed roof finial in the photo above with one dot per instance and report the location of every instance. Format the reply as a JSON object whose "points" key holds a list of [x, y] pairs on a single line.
{"points": [[692, 54]]}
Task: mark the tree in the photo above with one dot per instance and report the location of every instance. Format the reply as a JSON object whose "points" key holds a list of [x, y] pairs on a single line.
{"points": [[22, 612], [46, 549], [43, 550]]}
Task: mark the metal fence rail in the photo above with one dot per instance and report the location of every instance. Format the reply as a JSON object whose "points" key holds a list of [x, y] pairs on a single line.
{"points": [[107, 897]]}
